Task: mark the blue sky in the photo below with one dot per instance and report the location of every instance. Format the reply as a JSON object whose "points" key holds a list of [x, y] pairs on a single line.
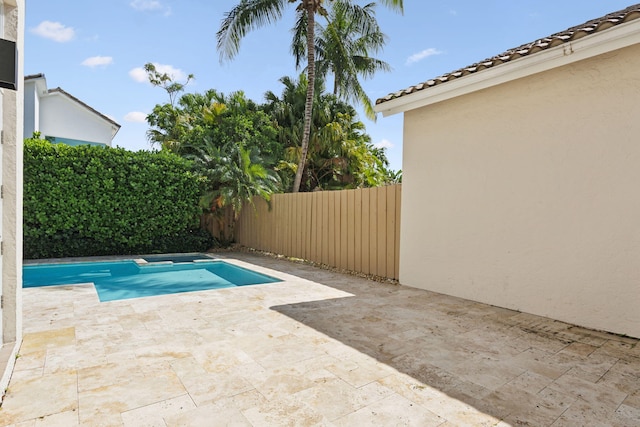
{"points": [[95, 50]]}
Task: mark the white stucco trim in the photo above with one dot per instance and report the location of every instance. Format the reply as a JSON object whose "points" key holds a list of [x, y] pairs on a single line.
{"points": [[73, 101], [617, 37]]}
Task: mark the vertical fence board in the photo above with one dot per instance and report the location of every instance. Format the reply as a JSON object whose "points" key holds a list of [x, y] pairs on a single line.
{"points": [[309, 230], [325, 240], [391, 229], [338, 227], [299, 234], [317, 200], [289, 225], [259, 237], [313, 253], [331, 236], [281, 230], [272, 238], [351, 230], [284, 228], [317, 212], [398, 225], [381, 228], [373, 231], [240, 227], [344, 231], [358, 219], [247, 225], [255, 222], [295, 230], [306, 227], [267, 233], [366, 232]]}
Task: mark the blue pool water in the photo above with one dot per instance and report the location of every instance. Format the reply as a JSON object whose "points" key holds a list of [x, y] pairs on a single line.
{"points": [[126, 279]]}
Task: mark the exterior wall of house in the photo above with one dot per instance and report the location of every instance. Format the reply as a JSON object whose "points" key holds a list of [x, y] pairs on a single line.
{"points": [[11, 158], [526, 195], [31, 108], [61, 117]]}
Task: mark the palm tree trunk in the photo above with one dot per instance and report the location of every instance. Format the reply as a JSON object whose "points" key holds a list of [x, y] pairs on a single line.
{"points": [[311, 79]]}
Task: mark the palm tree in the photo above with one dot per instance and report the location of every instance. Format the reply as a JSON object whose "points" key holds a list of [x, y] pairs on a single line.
{"points": [[344, 47], [340, 152], [250, 14]]}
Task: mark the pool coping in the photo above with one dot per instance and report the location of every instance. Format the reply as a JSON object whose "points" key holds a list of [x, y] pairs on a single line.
{"points": [[137, 258]]}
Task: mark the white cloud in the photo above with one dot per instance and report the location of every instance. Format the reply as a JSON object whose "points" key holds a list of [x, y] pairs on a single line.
{"points": [[96, 61], [140, 75], [385, 143], [453, 12], [150, 5], [416, 57], [136, 117], [146, 5], [54, 31]]}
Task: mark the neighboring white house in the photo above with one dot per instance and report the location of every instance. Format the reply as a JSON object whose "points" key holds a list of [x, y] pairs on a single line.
{"points": [[61, 117], [11, 98], [521, 177]]}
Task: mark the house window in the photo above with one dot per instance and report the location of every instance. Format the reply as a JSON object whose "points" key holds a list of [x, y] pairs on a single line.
{"points": [[71, 142]]}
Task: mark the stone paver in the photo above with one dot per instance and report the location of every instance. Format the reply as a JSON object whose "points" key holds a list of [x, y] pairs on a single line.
{"points": [[318, 349]]}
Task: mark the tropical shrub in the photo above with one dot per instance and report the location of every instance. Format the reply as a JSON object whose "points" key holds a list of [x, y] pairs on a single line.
{"points": [[82, 201], [340, 154], [233, 145]]}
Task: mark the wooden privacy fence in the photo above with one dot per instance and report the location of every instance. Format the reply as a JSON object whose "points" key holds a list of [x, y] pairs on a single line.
{"points": [[357, 230]]}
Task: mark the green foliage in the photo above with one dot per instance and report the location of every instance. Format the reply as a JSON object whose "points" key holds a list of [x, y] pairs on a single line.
{"points": [[234, 176], [249, 15], [81, 201], [232, 142], [344, 45], [214, 118], [340, 152], [190, 240], [165, 81]]}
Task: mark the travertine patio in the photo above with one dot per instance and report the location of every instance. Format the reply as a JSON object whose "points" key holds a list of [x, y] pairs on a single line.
{"points": [[319, 348]]}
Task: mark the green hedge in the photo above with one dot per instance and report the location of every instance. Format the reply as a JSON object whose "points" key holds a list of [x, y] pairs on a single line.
{"points": [[82, 201]]}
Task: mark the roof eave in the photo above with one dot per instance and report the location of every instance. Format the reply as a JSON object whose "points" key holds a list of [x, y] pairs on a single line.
{"points": [[617, 37]]}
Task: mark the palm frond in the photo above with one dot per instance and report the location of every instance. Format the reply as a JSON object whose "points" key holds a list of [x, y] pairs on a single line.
{"points": [[299, 41], [246, 16], [396, 5]]}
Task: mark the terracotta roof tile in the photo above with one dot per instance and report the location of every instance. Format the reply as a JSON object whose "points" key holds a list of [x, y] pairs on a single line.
{"points": [[573, 33]]}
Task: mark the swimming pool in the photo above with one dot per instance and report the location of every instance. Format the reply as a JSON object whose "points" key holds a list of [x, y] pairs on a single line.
{"points": [[127, 279]]}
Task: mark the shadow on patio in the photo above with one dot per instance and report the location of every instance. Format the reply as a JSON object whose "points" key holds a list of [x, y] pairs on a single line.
{"points": [[467, 360]]}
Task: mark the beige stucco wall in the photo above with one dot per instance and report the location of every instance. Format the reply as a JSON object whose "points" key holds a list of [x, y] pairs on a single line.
{"points": [[527, 195]]}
